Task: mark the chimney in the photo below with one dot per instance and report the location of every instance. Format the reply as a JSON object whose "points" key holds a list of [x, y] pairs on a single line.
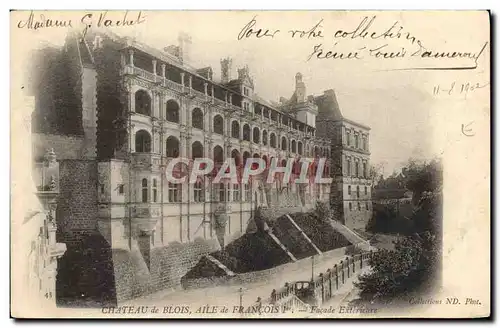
{"points": [[184, 47], [300, 88], [226, 65]]}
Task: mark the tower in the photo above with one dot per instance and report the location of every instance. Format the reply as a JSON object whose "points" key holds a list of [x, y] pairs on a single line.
{"points": [[226, 66]]}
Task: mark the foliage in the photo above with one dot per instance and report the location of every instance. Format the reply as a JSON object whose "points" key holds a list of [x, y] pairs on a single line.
{"points": [[397, 273], [323, 211], [58, 89], [414, 263]]}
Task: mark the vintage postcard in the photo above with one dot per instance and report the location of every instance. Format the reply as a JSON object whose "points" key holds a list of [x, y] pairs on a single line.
{"points": [[250, 164]]}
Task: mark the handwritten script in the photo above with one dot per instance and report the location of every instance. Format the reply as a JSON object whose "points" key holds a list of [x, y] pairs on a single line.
{"points": [[392, 41], [37, 21]]}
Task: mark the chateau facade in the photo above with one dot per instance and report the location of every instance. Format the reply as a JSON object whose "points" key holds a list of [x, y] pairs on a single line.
{"points": [[142, 107]]}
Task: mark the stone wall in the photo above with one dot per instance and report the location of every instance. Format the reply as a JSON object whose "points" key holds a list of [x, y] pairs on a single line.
{"points": [[77, 206], [168, 264]]}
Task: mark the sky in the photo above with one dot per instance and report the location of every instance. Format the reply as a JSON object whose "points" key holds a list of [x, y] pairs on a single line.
{"points": [[398, 105]]}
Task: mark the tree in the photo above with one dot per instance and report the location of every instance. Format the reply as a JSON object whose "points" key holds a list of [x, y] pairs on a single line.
{"points": [[414, 263], [376, 173]]}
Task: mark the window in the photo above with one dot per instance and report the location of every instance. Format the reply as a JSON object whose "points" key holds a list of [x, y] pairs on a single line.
{"points": [[174, 192], [101, 187], [357, 191], [348, 137], [272, 140], [199, 193], [365, 173], [365, 145], [299, 148], [235, 129], [142, 142], [359, 206], [246, 132], [197, 119], [264, 138], [144, 190], [220, 192], [155, 191], [356, 141], [236, 193], [284, 145], [367, 206], [172, 114], [248, 192], [142, 103], [121, 189], [172, 147], [350, 206], [294, 146], [256, 135], [356, 167], [348, 190], [218, 124], [348, 167], [366, 190]]}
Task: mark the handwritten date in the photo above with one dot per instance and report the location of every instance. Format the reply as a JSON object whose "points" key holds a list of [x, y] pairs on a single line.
{"points": [[458, 88]]}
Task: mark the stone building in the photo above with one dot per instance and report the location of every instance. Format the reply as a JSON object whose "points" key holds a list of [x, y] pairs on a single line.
{"points": [[36, 251], [142, 107]]}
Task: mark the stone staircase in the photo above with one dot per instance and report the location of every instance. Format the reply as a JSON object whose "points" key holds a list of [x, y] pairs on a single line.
{"points": [[352, 236]]}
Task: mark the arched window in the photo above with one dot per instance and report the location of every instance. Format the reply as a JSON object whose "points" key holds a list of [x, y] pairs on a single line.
{"points": [[299, 148], [348, 167], [246, 155], [316, 151], [218, 124], [218, 155], [284, 145], [256, 135], [142, 141], [294, 146], [142, 102], [197, 150], [365, 171], [235, 129], [235, 154], [264, 157], [272, 140], [246, 132], [197, 118], [144, 190], [356, 168], [172, 147], [172, 114], [264, 138]]}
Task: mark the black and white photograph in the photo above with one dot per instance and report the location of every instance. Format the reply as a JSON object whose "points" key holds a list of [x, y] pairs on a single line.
{"points": [[250, 164]]}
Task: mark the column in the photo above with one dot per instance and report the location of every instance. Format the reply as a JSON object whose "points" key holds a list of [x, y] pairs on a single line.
{"points": [[132, 138], [154, 66], [231, 98], [163, 67], [190, 82], [131, 57], [182, 79], [213, 92], [205, 86]]}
